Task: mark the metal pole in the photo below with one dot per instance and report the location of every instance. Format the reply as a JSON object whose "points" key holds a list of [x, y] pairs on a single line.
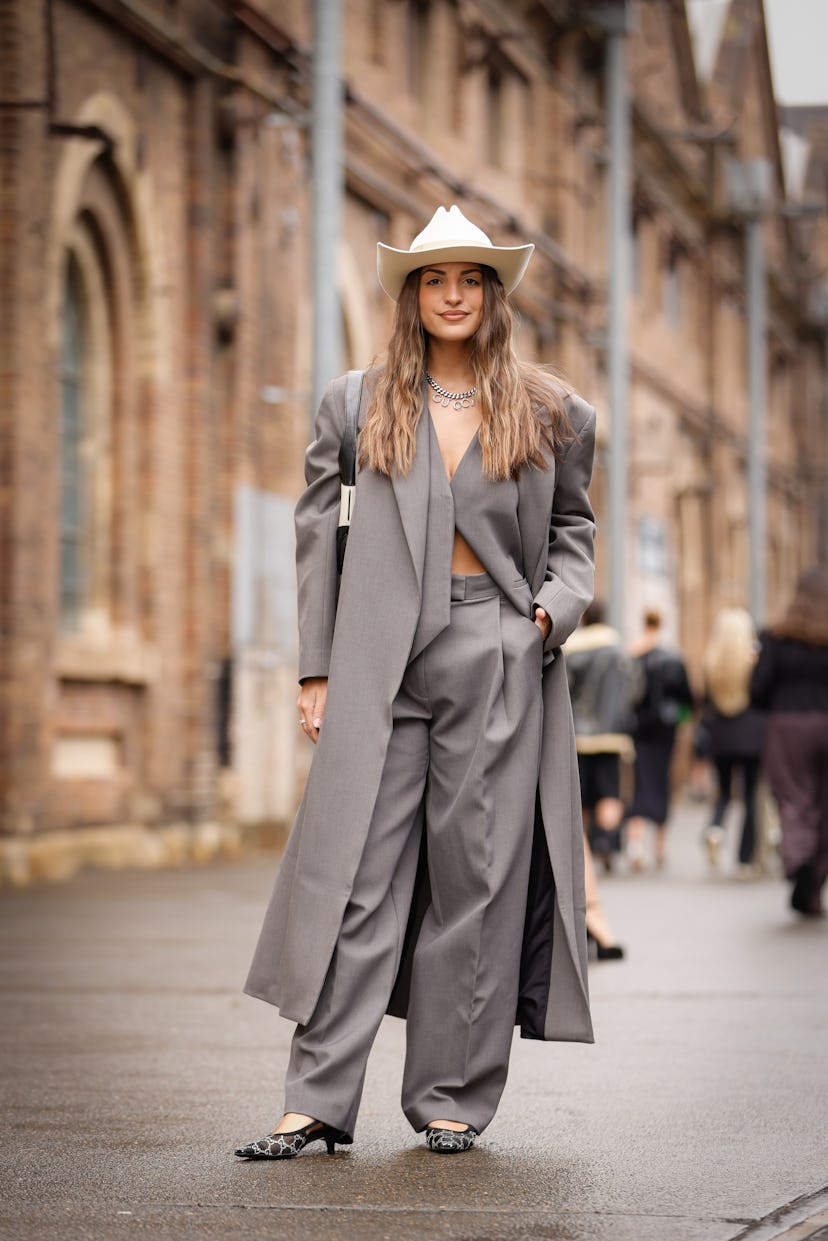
{"points": [[327, 195], [757, 401], [823, 557], [618, 132]]}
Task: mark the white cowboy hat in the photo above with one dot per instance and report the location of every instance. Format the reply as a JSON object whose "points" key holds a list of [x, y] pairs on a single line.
{"points": [[450, 237]]}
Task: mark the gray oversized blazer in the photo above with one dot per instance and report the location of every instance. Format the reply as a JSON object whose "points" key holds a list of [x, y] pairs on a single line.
{"points": [[365, 654]]}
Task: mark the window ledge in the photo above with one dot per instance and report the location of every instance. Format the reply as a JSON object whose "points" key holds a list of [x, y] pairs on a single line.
{"points": [[116, 656]]}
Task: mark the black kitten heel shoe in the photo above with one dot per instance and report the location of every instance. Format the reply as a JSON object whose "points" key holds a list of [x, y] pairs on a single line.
{"points": [[449, 1141], [604, 952], [288, 1145]]}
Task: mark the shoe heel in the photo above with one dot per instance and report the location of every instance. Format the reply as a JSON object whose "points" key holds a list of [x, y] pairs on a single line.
{"points": [[332, 1136], [604, 952]]}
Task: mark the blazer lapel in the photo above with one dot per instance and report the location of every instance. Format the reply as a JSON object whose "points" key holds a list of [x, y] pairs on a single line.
{"points": [[411, 492]]}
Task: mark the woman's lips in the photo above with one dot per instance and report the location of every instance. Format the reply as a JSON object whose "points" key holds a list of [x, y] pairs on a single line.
{"points": [[453, 315]]}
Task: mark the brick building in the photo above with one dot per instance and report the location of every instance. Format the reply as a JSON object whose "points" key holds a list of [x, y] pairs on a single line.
{"points": [[155, 325]]}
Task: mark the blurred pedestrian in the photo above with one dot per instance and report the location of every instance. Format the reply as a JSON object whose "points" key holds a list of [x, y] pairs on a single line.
{"points": [[442, 792], [735, 729], [790, 681], [665, 701], [604, 686]]}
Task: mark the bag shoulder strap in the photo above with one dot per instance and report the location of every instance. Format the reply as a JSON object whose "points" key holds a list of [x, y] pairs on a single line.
{"points": [[347, 449]]}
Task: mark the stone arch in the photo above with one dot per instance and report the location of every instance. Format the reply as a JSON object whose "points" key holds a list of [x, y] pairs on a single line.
{"points": [[103, 216], [106, 111]]}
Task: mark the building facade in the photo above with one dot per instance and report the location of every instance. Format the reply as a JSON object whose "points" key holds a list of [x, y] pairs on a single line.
{"points": [[156, 329]]}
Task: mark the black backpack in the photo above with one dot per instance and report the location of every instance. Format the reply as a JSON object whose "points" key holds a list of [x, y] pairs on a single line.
{"points": [[667, 692]]}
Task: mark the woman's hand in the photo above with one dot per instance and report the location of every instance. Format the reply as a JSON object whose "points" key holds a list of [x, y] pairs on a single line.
{"points": [[543, 622], [311, 704]]}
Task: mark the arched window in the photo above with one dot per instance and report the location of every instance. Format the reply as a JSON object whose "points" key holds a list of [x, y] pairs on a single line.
{"points": [[108, 735], [73, 422], [99, 463]]}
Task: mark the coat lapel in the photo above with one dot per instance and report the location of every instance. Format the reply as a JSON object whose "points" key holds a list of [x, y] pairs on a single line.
{"points": [[411, 493]]}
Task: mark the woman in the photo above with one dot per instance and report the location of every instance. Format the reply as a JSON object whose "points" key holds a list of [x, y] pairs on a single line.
{"points": [[604, 686], [735, 728], [790, 681], [441, 715], [665, 701]]}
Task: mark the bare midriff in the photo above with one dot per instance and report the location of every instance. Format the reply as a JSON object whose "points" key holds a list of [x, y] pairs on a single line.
{"points": [[463, 559]]}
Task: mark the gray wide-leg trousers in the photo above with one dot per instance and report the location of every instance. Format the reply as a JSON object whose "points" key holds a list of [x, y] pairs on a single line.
{"points": [[464, 749]]}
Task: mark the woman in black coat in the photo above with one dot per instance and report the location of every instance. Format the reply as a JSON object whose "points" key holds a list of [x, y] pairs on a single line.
{"points": [[790, 681]]}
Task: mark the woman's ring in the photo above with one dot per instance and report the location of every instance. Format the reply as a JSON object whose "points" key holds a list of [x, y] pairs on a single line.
{"points": [[301, 723]]}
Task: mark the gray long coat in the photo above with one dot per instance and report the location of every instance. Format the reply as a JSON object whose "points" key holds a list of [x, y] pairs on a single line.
{"points": [[365, 655]]}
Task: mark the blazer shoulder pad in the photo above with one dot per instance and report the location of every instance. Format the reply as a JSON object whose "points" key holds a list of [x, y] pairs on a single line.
{"points": [[580, 413]]}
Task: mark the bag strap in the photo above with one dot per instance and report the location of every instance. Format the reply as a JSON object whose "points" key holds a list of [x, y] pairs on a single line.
{"points": [[348, 447]]}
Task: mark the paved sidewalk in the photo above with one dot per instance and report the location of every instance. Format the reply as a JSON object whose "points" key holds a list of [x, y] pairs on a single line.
{"points": [[133, 1065]]}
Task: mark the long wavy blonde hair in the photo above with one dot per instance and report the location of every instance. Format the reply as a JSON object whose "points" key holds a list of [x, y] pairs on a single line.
{"points": [[522, 408], [729, 660]]}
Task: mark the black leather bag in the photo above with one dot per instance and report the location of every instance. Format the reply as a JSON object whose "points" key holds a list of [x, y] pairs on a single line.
{"points": [[347, 463]]}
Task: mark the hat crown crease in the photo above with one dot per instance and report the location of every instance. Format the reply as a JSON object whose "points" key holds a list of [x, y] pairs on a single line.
{"points": [[449, 234]]}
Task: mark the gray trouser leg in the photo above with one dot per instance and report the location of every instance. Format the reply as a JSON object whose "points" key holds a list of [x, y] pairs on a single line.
{"points": [[480, 811], [328, 1055]]}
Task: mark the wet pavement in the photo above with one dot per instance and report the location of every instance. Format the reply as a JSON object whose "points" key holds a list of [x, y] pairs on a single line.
{"points": [[133, 1065]]}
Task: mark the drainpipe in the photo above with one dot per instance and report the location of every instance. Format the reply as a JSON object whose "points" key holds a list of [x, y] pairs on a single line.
{"points": [[327, 133], [757, 469], [613, 19], [750, 189], [824, 557]]}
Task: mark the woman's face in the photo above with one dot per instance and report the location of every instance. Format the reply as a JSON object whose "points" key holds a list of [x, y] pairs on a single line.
{"points": [[451, 300]]}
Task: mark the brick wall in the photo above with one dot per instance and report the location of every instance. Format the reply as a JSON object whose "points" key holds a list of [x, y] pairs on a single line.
{"points": [[201, 208]]}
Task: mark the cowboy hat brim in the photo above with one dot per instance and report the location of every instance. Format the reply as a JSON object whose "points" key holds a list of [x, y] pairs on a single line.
{"points": [[510, 262]]}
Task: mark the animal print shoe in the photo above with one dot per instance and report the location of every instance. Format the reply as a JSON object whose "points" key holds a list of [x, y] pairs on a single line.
{"points": [[449, 1141]]}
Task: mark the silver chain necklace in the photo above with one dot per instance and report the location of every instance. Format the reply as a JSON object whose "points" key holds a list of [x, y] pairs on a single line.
{"points": [[460, 400]]}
